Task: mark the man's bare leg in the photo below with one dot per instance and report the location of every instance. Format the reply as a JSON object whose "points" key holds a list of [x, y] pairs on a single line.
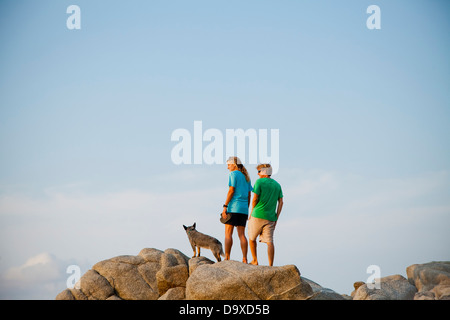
{"points": [[270, 252], [252, 244]]}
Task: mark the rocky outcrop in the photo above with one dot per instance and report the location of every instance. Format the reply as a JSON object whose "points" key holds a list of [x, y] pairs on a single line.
{"points": [[150, 275], [429, 281], [170, 275], [432, 280], [394, 287]]}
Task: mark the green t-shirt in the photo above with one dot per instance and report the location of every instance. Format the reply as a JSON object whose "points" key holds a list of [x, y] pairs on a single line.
{"points": [[269, 191]]}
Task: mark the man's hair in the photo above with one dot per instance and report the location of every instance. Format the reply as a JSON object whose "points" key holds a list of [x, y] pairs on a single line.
{"points": [[267, 171]]}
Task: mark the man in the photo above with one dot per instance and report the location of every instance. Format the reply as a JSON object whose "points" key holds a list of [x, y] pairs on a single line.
{"points": [[266, 208]]}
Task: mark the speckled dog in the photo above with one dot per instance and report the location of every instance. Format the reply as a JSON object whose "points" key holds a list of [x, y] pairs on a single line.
{"points": [[199, 240]]}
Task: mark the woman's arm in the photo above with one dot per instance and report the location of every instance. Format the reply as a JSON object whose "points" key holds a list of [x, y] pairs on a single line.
{"points": [[227, 201]]}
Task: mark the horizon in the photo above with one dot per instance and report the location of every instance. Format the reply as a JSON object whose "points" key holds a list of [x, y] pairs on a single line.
{"points": [[116, 120]]}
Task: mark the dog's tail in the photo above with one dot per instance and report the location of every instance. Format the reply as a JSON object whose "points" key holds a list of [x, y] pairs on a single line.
{"points": [[221, 253]]}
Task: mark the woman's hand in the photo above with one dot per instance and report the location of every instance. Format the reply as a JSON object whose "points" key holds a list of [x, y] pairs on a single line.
{"points": [[224, 213]]}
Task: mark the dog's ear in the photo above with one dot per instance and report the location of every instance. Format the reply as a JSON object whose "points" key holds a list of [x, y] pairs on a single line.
{"points": [[184, 227], [194, 225]]}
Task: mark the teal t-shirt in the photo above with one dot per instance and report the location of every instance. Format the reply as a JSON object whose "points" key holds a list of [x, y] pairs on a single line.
{"points": [[269, 191], [239, 202]]}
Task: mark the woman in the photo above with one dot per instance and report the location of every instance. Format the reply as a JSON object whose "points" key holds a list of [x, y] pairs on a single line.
{"points": [[236, 204]]}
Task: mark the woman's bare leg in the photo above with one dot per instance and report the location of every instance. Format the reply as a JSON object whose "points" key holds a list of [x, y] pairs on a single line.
{"points": [[228, 240], [244, 243]]}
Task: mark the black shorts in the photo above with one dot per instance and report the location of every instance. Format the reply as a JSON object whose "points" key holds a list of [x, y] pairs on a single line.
{"points": [[238, 219]]}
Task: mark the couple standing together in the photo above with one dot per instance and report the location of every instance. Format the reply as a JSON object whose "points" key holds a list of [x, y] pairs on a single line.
{"points": [[265, 210]]}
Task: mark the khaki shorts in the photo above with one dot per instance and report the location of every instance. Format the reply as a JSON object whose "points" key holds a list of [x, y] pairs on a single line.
{"points": [[262, 228]]}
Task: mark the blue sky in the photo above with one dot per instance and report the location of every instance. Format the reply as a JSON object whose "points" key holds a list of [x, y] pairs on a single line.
{"points": [[86, 118]]}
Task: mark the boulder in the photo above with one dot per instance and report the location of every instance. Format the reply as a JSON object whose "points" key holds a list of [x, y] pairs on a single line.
{"points": [[356, 285], [177, 293], [65, 295], [233, 280], [432, 280], [395, 287], [198, 261], [95, 287], [174, 271], [127, 277], [321, 293]]}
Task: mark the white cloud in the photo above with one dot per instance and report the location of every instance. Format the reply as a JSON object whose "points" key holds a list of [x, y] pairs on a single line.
{"points": [[346, 204], [42, 267], [302, 183], [42, 276]]}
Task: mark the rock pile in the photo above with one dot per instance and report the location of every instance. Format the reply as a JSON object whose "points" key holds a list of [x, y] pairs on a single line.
{"points": [[429, 281], [432, 280], [152, 274], [171, 275]]}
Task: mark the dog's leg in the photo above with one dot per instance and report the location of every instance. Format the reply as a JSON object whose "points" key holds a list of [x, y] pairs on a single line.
{"points": [[193, 248], [198, 248], [217, 256]]}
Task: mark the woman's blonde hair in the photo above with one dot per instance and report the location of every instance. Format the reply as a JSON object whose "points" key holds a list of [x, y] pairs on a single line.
{"points": [[236, 161]]}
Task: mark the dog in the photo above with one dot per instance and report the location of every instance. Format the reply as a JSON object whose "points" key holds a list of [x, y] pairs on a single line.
{"points": [[199, 240]]}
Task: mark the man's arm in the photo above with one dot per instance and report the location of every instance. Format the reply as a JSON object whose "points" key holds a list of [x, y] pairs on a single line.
{"points": [[254, 203], [280, 206]]}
